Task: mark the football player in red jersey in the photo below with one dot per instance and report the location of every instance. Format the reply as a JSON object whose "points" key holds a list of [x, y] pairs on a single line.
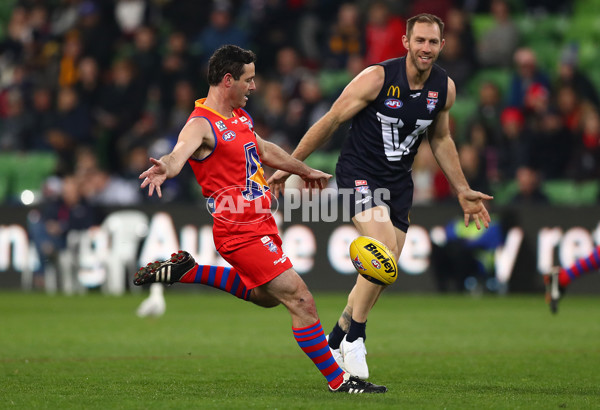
{"points": [[392, 104], [226, 156]]}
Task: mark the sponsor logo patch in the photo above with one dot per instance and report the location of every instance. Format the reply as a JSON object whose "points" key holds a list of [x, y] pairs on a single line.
{"points": [[432, 94], [393, 91]]}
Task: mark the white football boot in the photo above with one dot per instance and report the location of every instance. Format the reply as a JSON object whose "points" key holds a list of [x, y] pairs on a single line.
{"points": [[353, 355], [337, 355]]}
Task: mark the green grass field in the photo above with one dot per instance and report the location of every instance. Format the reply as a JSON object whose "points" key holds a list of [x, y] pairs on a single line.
{"points": [[211, 350]]}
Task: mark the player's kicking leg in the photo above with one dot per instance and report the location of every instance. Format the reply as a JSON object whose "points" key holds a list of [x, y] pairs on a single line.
{"points": [[287, 288], [181, 267]]}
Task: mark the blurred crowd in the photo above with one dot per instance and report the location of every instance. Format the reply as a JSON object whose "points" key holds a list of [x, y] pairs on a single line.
{"points": [[104, 84]]}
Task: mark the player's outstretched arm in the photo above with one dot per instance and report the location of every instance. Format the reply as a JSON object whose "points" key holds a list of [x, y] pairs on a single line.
{"points": [[275, 157], [444, 150], [194, 134]]}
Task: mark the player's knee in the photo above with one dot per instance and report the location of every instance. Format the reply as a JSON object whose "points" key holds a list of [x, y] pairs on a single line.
{"points": [[305, 302]]}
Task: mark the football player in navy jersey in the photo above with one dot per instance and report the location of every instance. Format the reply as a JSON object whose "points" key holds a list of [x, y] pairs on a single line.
{"points": [[393, 105]]}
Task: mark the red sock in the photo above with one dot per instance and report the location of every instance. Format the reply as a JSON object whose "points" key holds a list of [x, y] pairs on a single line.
{"points": [[219, 277]]}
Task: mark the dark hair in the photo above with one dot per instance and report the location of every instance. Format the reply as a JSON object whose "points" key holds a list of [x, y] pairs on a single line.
{"points": [[424, 18], [228, 59]]}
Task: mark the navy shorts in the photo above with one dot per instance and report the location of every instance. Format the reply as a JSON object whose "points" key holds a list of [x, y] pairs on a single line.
{"points": [[358, 191]]}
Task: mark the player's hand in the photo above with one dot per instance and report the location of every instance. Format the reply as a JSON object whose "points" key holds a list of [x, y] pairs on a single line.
{"points": [[154, 177], [277, 182], [473, 207], [316, 179]]}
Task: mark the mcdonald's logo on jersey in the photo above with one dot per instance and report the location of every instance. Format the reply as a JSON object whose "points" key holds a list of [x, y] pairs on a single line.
{"points": [[393, 91]]}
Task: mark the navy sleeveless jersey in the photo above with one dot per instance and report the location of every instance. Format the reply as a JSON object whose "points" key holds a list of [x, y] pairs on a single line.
{"points": [[384, 136]]}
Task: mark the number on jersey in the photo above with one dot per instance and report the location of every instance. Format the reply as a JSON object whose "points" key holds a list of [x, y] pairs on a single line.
{"points": [[392, 131]]}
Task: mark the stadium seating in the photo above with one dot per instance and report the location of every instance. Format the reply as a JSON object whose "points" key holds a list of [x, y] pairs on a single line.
{"points": [[566, 192]]}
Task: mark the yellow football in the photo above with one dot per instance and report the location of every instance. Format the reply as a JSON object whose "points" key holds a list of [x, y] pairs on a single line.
{"points": [[373, 260]]}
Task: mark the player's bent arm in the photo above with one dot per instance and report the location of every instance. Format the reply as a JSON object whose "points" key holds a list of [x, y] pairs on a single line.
{"points": [[195, 133], [363, 89], [443, 146], [275, 157]]}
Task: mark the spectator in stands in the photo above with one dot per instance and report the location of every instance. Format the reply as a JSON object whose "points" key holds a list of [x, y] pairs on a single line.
{"points": [[185, 15], [89, 83], [146, 57], [220, 30], [458, 22], [488, 112], [496, 46], [514, 145], [439, 8], [180, 111], [570, 107], [40, 118], [345, 38], [569, 74], [18, 37], [383, 33], [525, 75], [453, 60], [61, 211], [176, 65], [289, 71], [551, 142], [144, 132], [487, 152], [71, 127], [586, 159], [14, 126], [530, 192], [119, 108], [69, 59], [98, 31], [473, 164], [104, 188]]}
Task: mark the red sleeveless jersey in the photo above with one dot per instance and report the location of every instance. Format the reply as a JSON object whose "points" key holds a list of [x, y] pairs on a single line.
{"points": [[232, 178]]}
